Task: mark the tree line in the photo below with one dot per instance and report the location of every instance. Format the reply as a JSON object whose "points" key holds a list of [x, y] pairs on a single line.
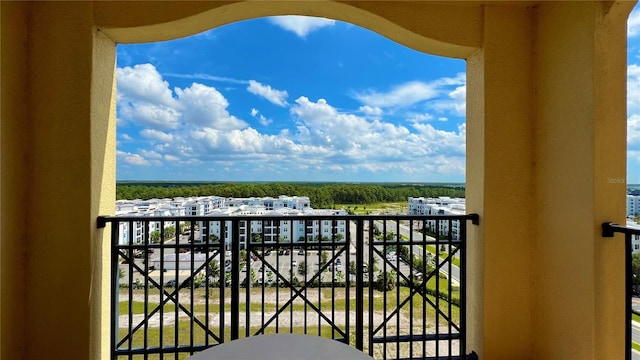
{"points": [[321, 195]]}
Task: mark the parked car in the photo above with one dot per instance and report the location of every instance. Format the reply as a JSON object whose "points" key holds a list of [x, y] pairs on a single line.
{"points": [[287, 252], [294, 262], [301, 252]]}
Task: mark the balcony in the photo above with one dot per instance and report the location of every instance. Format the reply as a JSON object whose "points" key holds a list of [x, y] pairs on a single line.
{"points": [[380, 287]]}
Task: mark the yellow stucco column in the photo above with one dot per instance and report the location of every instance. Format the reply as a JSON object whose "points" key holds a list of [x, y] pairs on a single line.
{"points": [[578, 309], [64, 177], [546, 145], [500, 186]]}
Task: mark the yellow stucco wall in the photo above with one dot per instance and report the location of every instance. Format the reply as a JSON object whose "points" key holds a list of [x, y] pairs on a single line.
{"points": [[546, 128], [500, 184]]}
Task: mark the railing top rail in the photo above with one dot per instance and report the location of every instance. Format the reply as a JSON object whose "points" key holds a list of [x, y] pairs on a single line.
{"points": [[608, 229], [103, 220]]}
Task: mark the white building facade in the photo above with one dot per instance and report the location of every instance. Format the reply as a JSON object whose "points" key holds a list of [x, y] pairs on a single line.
{"points": [[271, 231], [439, 206], [633, 205]]}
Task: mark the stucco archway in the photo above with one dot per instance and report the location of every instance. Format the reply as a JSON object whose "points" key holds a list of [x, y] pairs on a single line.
{"points": [[552, 69]]}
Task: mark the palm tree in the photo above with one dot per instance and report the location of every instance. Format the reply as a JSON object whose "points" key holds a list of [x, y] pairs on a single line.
{"points": [[214, 269]]}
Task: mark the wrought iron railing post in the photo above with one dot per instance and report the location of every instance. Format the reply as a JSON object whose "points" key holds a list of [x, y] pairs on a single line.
{"points": [[235, 280], [359, 284], [463, 288], [115, 286], [628, 292], [608, 230]]}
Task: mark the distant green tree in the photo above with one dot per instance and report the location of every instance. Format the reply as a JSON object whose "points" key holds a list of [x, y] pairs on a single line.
{"points": [[155, 236], [256, 237], [169, 233], [253, 277], [386, 281], [353, 269], [302, 268], [214, 269], [324, 257]]}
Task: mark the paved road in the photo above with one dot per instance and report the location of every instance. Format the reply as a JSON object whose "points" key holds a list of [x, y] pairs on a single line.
{"points": [[404, 230]]}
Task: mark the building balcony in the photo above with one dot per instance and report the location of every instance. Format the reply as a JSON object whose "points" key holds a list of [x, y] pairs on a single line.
{"points": [[387, 288]]}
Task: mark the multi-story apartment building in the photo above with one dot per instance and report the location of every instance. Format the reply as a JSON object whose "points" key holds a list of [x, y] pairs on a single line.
{"points": [[439, 206], [272, 231], [283, 201], [633, 205], [635, 239], [135, 234], [269, 230]]}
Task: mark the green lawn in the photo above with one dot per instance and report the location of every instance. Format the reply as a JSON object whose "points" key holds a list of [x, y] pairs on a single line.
{"points": [[380, 208], [331, 301]]}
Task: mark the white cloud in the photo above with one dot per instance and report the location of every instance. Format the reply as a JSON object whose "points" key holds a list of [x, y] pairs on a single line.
{"points": [[447, 94], [156, 135], [171, 158], [455, 103], [145, 99], [301, 25], [633, 23], [264, 121], [420, 117], [277, 97], [370, 110], [402, 95], [205, 106], [149, 114], [207, 77], [261, 118], [368, 144], [144, 83], [150, 154], [133, 159], [633, 89], [196, 128], [633, 132]]}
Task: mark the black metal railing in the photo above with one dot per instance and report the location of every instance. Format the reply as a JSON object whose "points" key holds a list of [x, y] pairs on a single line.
{"points": [[386, 285], [608, 230]]}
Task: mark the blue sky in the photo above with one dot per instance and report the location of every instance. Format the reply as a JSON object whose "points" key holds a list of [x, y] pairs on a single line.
{"points": [[301, 99]]}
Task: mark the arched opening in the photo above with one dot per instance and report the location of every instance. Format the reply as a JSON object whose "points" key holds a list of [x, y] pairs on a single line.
{"points": [[270, 100], [393, 31], [553, 69], [373, 135]]}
